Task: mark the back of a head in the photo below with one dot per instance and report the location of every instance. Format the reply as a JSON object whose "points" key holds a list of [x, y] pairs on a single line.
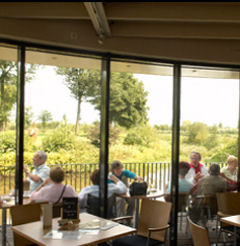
{"points": [[116, 164], [214, 169], [57, 174], [183, 168], [43, 155], [232, 159], [95, 177]]}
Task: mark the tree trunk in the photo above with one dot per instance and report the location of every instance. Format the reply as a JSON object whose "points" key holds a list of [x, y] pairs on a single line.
{"points": [[2, 102], [78, 115]]}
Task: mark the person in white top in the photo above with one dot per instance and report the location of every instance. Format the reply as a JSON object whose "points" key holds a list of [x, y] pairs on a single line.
{"points": [[118, 187], [56, 191], [197, 170], [40, 174]]}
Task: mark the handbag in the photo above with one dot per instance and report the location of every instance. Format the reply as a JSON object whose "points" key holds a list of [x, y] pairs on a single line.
{"points": [[57, 206], [138, 188]]}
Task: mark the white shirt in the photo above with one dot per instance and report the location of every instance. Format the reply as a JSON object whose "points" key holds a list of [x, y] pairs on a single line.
{"points": [[42, 172], [118, 188], [191, 173]]}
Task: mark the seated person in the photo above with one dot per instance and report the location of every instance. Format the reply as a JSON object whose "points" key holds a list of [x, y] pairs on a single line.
{"points": [[123, 175], [197, 170], [56, 191], [183, 184], [40, 173], [208, 185], [230, 172], [117, 187]]}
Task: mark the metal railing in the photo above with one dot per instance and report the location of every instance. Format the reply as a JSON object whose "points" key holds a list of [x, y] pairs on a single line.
{"points": [[157, 174]]}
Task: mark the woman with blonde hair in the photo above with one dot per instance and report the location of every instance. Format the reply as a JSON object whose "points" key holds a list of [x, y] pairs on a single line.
{"points": [[230, 172]]}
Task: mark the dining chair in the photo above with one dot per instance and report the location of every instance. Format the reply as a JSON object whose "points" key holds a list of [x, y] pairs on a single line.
{"points": [[93, 206], [22, 214], [152, 225], [199, 234], [228, 204]]}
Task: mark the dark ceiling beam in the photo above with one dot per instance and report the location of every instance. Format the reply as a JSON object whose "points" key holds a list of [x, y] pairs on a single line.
{"points": [[176, 30], [43, 10], [175, 11], [98, 18]]}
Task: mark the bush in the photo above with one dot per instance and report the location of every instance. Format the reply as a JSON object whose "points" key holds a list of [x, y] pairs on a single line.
{"points": [[8, 141], [62, 138]]}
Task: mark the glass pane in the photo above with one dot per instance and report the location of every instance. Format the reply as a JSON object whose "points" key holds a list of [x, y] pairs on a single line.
{"points": [[141, 118], [62, 113], [8, 93], [209, 133]]}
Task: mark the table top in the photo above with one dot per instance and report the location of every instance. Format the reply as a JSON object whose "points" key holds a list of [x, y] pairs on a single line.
{"points": [[232, 220], [34, 232], [8, 201], [152, 194]]}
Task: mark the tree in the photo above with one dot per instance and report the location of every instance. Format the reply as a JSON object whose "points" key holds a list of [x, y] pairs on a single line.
{"points": [[197, 133], [28, 116], [44, 117], [83, 84], [8, 88], [128, 100]]}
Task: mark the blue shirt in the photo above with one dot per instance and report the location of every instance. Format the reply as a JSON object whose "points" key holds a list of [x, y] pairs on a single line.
{"points": [[183, 186], [125, 173]]}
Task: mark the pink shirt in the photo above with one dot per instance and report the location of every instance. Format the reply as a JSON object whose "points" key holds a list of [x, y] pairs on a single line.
{"points": [[51, 193]]}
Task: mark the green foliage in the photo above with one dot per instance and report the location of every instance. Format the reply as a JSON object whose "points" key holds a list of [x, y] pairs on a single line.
{"points": [[8, 87], [7, 142], [128, 100], [83, 84], [197, 133], [221, 154], [93, 133], [44, 117], [28, 116], [143, 135], [62, 138]]}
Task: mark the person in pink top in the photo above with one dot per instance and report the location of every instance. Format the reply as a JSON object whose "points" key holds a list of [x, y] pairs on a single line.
{"points": [[56, 191]]}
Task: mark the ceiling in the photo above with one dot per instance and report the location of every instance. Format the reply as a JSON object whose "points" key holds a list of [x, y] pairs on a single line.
{"points": [[205, 32]]}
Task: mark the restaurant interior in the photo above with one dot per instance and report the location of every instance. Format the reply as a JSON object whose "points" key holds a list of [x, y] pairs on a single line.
{"points": [[172, 39]]}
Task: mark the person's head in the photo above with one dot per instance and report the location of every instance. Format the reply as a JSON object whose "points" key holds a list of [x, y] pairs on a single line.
{"points": [[116, 168], [39, 158], [195, 158], [214, 169], [232, 162], [57, 174], [95, 177], [183, 168]]}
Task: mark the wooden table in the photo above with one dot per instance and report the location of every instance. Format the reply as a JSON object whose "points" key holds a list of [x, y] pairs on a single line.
{"points": [[8, 201], [150, 195], [35, 233], [235, 222]]}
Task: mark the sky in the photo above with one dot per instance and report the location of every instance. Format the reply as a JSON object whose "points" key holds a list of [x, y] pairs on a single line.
{"points": [[211, 101]]}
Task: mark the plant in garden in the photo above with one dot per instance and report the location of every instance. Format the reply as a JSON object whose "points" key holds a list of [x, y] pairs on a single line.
{"points": [[8, 88], [82, 83], [62, 138]]}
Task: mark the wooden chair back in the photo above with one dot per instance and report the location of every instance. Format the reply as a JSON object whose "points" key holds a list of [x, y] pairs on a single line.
{"points": [[153, 213], [199, 234], [22, 214], [56, 210], [228, 203]]}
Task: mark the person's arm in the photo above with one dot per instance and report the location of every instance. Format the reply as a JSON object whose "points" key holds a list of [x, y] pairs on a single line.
{"points": [[38, 195], [33, 177], [132, 175]]}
